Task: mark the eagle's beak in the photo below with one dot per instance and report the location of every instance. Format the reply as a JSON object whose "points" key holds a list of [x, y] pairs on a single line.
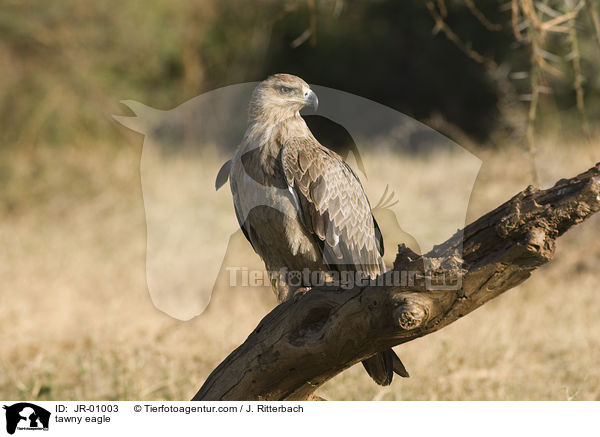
{"points": [[311, 100]]}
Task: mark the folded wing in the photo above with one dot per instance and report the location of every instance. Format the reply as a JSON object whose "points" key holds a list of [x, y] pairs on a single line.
{"points": [[333, 206]]}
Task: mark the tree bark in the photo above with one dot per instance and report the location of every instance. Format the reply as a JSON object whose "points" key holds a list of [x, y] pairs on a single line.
{"points": [[307, 340]]}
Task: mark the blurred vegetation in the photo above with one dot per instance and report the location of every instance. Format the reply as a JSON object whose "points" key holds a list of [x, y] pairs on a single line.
{"points": [[76, 316], [66, 64]]}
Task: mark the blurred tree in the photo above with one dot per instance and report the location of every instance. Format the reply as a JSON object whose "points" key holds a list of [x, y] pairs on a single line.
{"points": [[66, 64]]}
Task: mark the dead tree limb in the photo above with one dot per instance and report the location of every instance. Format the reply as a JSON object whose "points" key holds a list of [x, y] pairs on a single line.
{"points": [[304, 342]]}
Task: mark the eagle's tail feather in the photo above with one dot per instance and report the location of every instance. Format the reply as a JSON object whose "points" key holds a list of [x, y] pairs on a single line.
{"points": [[382, 366]]}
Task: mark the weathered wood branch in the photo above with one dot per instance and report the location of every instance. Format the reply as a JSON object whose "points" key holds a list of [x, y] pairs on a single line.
{"points": [[304, 342]]}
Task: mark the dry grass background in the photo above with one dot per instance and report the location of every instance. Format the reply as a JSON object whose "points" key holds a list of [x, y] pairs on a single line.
{"points": [[76, 320]]}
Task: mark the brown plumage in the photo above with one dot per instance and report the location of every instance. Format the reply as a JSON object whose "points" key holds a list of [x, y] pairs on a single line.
{"points": [[299, 204]]}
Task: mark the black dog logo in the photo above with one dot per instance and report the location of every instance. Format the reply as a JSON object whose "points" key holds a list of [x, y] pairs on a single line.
{"points": [[26, 416]]}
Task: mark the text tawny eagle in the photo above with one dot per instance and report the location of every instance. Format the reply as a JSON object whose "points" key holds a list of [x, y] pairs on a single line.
{"points": [[308, 208]]}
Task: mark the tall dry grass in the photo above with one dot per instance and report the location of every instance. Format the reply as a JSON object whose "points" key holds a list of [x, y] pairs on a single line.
{"points": [[77, 322]]}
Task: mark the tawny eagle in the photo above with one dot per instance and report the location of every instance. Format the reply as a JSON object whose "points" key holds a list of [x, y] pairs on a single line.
{"points": [[300, 205]]}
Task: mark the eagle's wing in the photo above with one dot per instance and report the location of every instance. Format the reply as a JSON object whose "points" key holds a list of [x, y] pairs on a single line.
{"points": [[244, 224], [223, 175], [335, 137], [333, 205]]}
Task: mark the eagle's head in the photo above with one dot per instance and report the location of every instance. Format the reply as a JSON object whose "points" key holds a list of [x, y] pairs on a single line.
{"points": [[279, 97]]}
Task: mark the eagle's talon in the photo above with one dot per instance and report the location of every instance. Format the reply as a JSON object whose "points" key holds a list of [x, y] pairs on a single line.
{"points": [[301, 292]]}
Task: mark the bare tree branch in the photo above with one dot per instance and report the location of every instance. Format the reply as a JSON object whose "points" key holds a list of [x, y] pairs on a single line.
{"points": [[304, 342]]}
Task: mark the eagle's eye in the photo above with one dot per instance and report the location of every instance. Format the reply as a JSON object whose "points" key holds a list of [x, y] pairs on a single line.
{"points": [[285, 90]]}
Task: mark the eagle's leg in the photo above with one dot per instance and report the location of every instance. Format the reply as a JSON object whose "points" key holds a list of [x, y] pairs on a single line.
{"points": [[284, 291]]}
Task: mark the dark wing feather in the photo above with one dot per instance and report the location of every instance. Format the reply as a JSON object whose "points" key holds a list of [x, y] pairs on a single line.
{"points": [[379, 237], [333, 205], [244, 225], [223, 175]]}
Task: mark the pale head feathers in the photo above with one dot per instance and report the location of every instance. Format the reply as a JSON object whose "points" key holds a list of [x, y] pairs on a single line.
{"points": [[274, 113], [279, 97]]}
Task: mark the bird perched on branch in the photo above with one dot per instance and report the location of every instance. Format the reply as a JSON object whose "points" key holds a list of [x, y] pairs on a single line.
{"points": [[300, 205]]}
